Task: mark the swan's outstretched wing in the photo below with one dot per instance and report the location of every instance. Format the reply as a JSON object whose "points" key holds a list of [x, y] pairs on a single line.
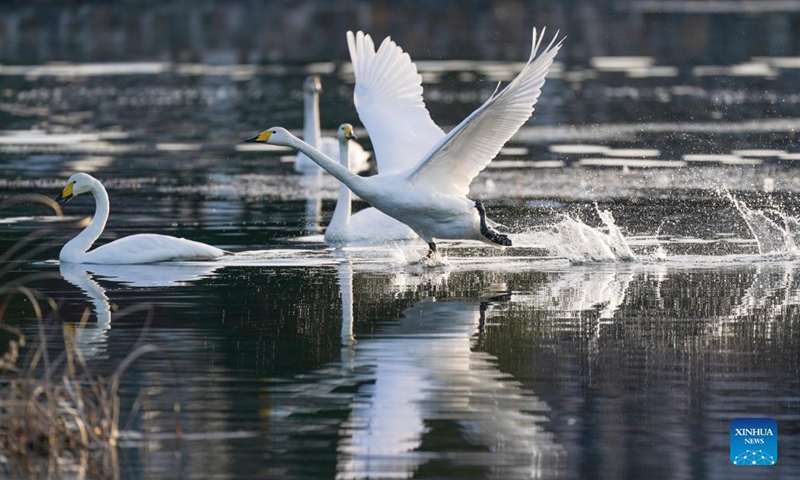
{"points": [[151, 248], [388, 98], [452, 164]]}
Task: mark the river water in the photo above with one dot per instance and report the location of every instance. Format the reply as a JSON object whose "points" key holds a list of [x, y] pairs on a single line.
{"points": [[651, 297]]}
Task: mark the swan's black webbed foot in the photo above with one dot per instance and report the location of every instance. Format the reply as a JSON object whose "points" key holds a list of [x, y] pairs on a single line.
{"points": [[493, 235], [431, 250]]}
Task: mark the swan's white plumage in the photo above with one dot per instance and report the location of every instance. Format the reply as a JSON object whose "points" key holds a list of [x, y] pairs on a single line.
{"points": [[141, 248], [369, 226], [458, 158], [388, 98], [429, 197], [147, 248]]}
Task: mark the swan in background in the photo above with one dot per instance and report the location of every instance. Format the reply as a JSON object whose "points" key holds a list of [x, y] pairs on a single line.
{"points": [[431, 196], [368, 225], [311, 134], [140, 248]]}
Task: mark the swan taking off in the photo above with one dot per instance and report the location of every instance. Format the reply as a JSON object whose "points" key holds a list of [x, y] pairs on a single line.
{"points": [[141, 248], [368, 225], [430, 196], [311, 133]]}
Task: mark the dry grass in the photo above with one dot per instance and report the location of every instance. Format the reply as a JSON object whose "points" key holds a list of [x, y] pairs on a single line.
{"points": [[56, 416]]}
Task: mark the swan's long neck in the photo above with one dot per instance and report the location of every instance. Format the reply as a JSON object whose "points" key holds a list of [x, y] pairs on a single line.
{"points": [[311, 128], [354, 182], [85, 239], [341, 215]]}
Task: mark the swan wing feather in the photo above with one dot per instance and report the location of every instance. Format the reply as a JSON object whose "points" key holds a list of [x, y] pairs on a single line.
{"points": [[388, 98], [456, 159]]}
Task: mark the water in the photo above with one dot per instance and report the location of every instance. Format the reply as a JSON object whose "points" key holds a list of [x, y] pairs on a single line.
{"points": [[650, 297]]}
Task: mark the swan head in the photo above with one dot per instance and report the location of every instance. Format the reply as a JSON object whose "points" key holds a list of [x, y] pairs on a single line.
{"points": [[274, 136], [345, 132], [77, 184], [312, 84]]}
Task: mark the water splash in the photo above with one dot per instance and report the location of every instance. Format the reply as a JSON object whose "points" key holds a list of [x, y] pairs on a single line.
{"points": [[579, 243], [771, 237]]}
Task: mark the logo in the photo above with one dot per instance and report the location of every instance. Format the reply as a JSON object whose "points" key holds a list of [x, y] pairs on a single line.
{"points": [[754, 442]]}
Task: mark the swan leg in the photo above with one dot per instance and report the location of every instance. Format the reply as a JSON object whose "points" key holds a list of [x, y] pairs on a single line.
{"points": [[491, 234], [431, 250]]}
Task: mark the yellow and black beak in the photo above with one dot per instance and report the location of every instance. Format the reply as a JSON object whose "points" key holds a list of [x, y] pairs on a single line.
{"points": [[350, 135], [260, 138], [66, 194]]}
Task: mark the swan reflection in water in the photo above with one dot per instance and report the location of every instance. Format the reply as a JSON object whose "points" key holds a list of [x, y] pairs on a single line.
{"points": [[91, 339], [417, 376]]}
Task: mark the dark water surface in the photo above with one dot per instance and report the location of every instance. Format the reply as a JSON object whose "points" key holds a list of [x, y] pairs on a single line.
{"points": [[301, 361]]}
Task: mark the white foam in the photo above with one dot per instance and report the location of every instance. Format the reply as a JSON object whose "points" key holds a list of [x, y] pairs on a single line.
{"points": [[653, 72], [709, 157], [178, 147], [259, 147], [630, 163], [515, 151], [632, 152], [86, 69], [38, 137], [759, 152], [743, 161], [580, 243], [750, 69], [577, 149], [771, 237], [505, 164], [620, 63]]}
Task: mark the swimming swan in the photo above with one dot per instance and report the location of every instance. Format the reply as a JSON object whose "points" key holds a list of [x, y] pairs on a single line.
{"points": [[430, 196], [312, 135], [368, 225], [141, 248]]}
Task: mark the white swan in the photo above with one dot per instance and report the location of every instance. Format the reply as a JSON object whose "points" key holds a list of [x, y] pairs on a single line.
{"points": [[430, 196], [368, 225], [311, 133], [141, 248]]}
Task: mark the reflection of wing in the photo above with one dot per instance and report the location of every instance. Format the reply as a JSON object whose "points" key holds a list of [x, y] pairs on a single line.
{"points": [[388, 98], [465, 151], [405, 377], [426, 369]]}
